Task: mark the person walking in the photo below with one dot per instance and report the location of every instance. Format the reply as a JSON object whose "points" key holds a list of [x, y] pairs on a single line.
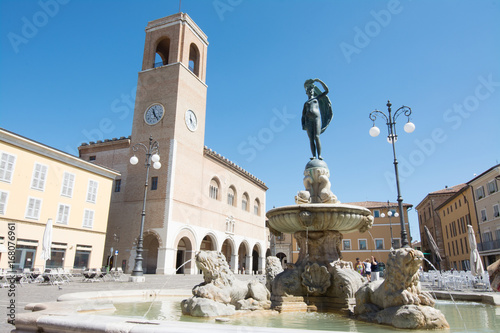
{"points": [[375, 271], [359, 267], [368, 269]]}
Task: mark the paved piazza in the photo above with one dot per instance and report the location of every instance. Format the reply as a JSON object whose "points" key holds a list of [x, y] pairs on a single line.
{"points": [[38, 293]]}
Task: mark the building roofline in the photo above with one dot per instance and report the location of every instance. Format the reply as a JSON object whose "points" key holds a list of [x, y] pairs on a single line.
{"points": [[484, 173], [234, 167], [377, 204], [54, 153], [446, 191], [447, 201]]}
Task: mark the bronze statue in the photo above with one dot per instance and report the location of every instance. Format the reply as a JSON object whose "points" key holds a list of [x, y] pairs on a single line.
{"points": [[316, 115]]}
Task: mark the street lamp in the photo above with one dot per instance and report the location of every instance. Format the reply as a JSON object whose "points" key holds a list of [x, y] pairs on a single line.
{"points": [[392, 138], [389, 213], [152, 155]]}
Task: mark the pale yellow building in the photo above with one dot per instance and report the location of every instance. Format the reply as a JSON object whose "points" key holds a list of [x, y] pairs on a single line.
{"points": [[455, 215], [384, 234], [429, 217], [197, 200], [38, 183], [485, 188]]}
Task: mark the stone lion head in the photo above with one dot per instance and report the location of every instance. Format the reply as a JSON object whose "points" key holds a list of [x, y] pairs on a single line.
{"points": [[214, 266], [402, 268]]}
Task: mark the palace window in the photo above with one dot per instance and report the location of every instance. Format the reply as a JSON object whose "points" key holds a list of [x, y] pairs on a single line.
{"points": [[376, 213], [379, 244], [154, 183], [496, 211], [230, 224], [39, 177], [33, 208], [7, 162], [244, 202], [88, 218], [3, 202], [92, 191], [231, 195], [362, 244], [492, 187], [62, 214], [256, 207], [396, 243], [214, 189], [346, 244], [479, 193], [484, 217], [118, 185], [68, 184]]}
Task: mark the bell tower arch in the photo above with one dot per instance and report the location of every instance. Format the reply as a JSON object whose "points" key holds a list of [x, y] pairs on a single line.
{"points": [[173, 75]]}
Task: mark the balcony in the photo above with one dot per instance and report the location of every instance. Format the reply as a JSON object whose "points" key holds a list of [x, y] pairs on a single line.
{"points": [[489, 246]]}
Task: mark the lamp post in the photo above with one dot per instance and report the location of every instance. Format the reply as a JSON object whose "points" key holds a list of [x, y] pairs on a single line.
{"points": [[392, 138], [152, 155], [389, 213]]}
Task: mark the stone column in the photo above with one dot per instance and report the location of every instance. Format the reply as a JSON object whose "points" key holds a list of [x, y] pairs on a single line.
{"points": [[248, 264], [170, 256], [234, 263], [160, 262]]}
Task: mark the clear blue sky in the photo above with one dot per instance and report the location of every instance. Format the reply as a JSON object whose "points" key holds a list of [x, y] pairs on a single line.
{"points": [[66, 69]]}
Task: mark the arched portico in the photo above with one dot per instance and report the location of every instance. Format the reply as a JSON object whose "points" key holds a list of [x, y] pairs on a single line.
{"points": [[184, 251], [150, 253], [244, 258], [228, 250]]}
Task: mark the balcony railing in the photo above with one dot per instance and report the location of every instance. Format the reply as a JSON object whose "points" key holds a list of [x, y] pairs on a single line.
{"points": [[488, 246]]}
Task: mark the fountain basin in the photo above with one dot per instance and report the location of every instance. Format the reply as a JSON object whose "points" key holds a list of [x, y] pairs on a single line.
{"points": [[319, 217], [75, 314]]}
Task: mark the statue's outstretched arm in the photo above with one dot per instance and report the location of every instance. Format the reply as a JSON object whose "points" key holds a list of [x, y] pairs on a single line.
{"points": [[325, 88]]}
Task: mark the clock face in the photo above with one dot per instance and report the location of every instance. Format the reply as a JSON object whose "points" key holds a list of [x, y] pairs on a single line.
{"points": [[191, 121], [154, 114]]}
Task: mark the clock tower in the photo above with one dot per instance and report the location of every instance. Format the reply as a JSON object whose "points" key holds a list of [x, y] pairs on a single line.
{"points": [[171, 90], [198, 199], [170, 107]]}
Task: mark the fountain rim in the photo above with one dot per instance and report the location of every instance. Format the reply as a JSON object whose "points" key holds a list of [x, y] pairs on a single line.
{"points": [[319, 207], [67, 314]]}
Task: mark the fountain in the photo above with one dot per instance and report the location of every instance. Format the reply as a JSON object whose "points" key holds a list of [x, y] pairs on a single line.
{"points": [[320, 280]]}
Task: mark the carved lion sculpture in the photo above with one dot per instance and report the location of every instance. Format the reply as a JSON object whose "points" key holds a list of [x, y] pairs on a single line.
{"points": [[400, 287], [220, 283]]}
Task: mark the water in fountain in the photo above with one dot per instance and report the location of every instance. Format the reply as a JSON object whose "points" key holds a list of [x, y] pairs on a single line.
{"points": [[161, 288], [449, 292]]}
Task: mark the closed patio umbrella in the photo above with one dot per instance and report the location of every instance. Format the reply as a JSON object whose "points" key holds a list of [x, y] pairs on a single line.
{"points": [[476, 265], [433, 245], [47, 241]]}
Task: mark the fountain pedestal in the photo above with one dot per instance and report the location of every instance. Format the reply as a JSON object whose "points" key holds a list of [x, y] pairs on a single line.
{"points": [[319, 280]]}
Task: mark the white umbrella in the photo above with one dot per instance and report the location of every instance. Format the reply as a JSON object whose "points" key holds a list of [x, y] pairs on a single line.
{"points": [[47, 241], [476, 265]]}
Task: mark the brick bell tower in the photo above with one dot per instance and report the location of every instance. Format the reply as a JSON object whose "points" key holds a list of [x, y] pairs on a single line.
{"points": [[170, 106], [171, 89]]}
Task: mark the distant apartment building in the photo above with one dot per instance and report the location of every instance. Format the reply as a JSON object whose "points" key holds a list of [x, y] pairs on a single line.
{"points": [[384, 234], [377, 241], [455, 215], [487, 205], [38, 183], [429, 217]]}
